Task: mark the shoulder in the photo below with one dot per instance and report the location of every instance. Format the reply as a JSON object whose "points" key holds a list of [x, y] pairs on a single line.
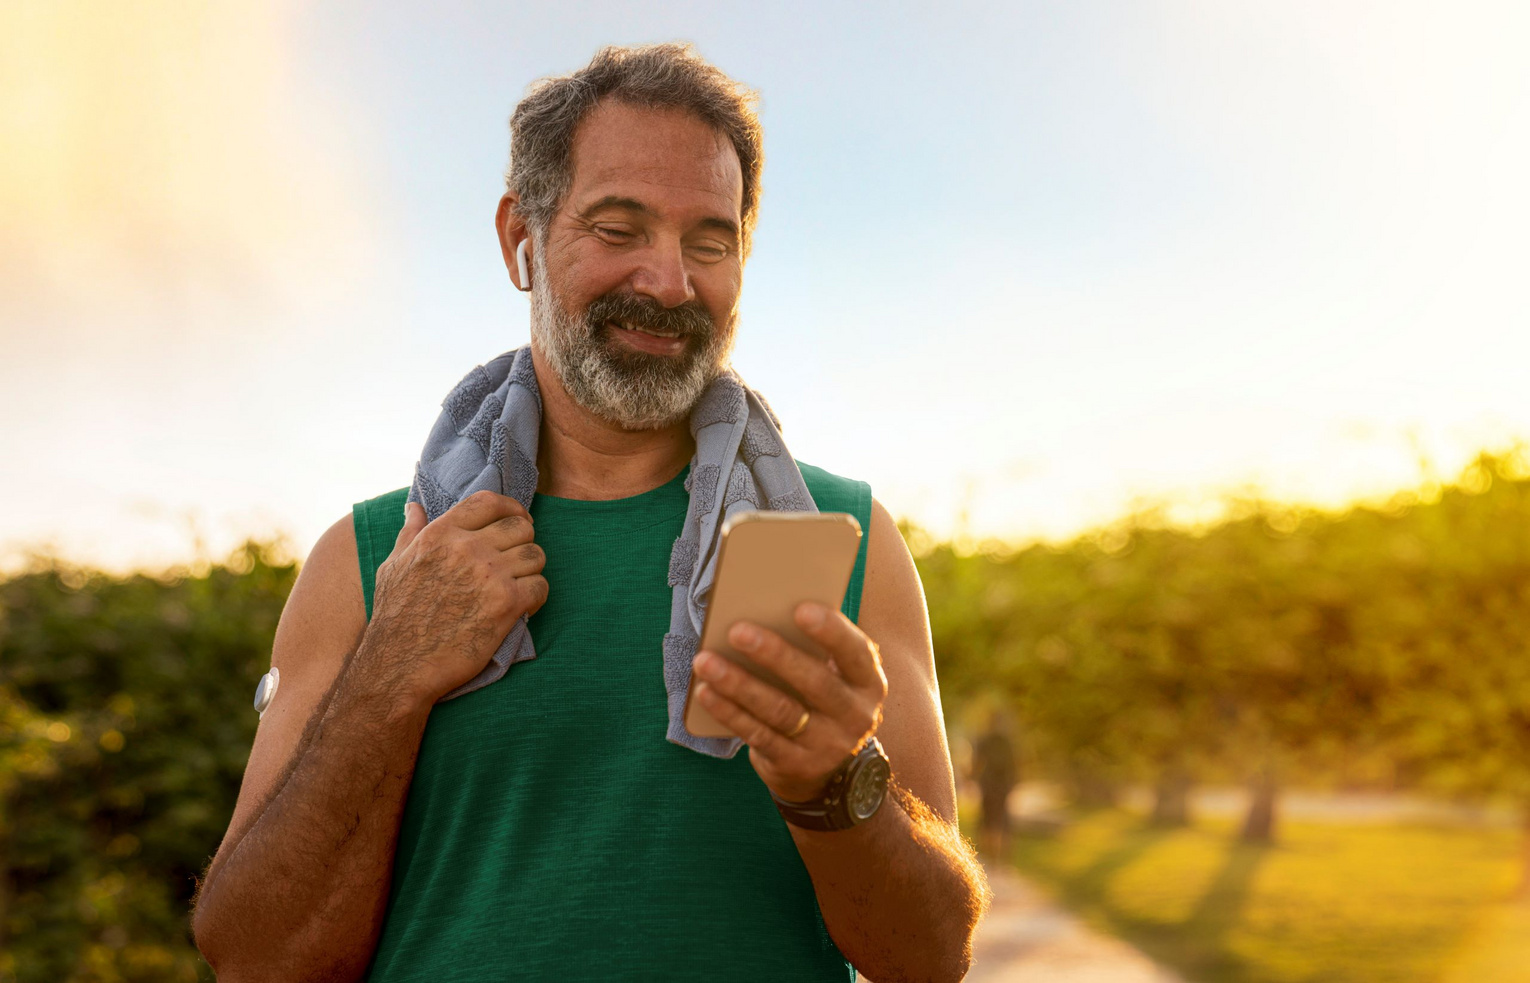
{"points": [[886, 568], [894, 616], [893, 596], [326, 599], [319, 626], [835, 493], [378, 520]]}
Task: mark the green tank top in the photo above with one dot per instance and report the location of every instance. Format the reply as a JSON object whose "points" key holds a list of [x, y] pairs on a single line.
{"points": [[551, 832]]}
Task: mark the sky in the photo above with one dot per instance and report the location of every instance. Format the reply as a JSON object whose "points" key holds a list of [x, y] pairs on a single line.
{"points": [[1019, 266]]}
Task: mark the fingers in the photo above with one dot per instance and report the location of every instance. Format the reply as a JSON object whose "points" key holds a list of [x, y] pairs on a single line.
{"points": [[808, 675], [534, 590], [491, 532], [520, 567], [499, 521], [508, 532], [855, 654], [506, 596], [760, 699], [844, 697], [523, 560], [483, 507], [755, 732], [847, 709], [414, 521]]}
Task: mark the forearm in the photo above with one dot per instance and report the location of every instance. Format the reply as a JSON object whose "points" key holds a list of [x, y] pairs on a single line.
{"points": [[303, 893], [900, 894]]}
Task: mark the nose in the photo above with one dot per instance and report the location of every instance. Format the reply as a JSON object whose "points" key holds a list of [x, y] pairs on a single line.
{"points": [[662, 275]]}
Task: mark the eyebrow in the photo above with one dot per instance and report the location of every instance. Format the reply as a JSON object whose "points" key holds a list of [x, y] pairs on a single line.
{"points": [[633, 205]]}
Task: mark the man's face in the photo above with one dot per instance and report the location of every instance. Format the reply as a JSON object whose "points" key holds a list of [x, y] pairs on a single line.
{"points": [[635, 301]]}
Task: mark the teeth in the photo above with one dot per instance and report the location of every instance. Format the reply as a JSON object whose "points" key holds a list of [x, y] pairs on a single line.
{"points": [[648, 331]]}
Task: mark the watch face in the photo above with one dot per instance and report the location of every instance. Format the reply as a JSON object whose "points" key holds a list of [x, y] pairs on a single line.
{"points": [[867, 788]]}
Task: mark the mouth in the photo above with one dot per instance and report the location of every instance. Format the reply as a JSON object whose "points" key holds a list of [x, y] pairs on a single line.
{"points": [[654, 341]]}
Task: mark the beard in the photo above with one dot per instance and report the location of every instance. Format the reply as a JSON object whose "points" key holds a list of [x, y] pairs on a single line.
{"points": [[634, 390]]}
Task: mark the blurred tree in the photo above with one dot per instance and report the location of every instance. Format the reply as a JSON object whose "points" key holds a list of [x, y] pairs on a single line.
{"points": [[1387, 646], [1453, 636], [1381, 644], [125, 722]]}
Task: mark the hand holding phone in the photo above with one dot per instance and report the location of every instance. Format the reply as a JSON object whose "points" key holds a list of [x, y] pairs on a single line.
{"points": [[768, 564]]}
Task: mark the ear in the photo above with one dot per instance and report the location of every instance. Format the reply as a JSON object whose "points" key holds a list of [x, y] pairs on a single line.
{"points": [[514, 241]]}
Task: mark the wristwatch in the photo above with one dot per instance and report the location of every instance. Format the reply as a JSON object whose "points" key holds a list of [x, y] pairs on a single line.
{"points": [[853, 795]]}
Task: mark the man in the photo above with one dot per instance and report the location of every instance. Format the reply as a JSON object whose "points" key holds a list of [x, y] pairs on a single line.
{"points": [[997, 772], [541, 827]]}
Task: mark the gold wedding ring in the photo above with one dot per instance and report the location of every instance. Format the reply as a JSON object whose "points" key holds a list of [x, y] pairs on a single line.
{"points": [[801, 725]]}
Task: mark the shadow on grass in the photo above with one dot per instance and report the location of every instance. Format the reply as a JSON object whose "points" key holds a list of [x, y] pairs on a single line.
{"points": [[1088, 888], [1382, 902], [1204, 951], [1197, 946]]}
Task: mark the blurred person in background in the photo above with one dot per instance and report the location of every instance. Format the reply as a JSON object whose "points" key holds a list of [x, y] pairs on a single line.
{"points": [[391, 826], [996, 770]]}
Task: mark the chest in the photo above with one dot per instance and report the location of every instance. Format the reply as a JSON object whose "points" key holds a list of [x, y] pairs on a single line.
{"points": [[598, 675]]}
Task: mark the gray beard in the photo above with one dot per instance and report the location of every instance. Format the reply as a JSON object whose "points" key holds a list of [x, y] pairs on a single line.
{"points": [[632, 389]]}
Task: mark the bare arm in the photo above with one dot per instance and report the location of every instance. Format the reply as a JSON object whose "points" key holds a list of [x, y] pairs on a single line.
{"points": [[301, 894], [299, 886], [901, 893]]}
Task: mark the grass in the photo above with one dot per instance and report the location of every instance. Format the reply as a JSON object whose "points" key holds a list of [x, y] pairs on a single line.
{"points": [[1331, 903]]}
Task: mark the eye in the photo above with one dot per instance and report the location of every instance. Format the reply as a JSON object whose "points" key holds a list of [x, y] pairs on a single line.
{"points": [[710, 251], [613, 234]]}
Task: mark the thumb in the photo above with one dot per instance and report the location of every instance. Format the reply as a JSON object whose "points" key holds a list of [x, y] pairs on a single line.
{"points": [[414, 521]]}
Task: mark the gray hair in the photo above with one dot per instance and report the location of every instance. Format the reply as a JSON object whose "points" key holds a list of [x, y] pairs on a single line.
{"points": [[658, 76]]}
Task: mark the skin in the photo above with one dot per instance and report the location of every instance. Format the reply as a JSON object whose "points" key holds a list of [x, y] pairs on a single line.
{"points": [[675, 249], [299, 886]]}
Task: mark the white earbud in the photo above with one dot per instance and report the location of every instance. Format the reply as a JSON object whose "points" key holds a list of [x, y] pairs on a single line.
{"points": [[522, 266]]}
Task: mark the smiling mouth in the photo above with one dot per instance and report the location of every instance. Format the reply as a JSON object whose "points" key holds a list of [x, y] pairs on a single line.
{"points": [[645, 329], [655, 341]]}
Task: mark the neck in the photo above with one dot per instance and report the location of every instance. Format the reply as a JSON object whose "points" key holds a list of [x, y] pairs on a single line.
{"points": [[582, 456]]}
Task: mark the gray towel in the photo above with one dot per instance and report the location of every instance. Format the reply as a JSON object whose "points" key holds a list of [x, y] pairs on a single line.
{"points": [[486, 438]]}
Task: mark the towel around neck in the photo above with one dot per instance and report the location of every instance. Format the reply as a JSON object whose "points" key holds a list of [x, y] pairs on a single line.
{"points": [[486, 438]]}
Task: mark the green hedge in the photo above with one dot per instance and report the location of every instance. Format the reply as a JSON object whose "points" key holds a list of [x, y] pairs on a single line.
{"points": [[125, 723]]}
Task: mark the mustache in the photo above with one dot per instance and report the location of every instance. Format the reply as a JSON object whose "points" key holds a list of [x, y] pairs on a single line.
{"points": [[688, 320]]}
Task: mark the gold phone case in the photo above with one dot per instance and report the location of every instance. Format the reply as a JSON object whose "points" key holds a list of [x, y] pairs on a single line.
{"points": [[769, 563]]}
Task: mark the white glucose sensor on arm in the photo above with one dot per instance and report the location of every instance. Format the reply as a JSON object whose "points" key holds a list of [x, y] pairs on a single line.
{"points": [[266, 690]]}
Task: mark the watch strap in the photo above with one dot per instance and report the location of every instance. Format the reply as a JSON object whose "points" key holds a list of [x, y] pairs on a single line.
{"points": [[810, 815], [829, 811]]}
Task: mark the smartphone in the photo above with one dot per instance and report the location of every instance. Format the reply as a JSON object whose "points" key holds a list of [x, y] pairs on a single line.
{"points": [[769, 563]]}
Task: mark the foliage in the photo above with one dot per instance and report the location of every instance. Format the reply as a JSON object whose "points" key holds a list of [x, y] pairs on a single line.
{"points": [[125, 723], [1383, 646]]}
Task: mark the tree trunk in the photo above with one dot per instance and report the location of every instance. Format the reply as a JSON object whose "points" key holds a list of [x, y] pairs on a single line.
{"points": [[5, 888], [1523, 892], [1092, 790], [1171, 798], [1259, 826]]}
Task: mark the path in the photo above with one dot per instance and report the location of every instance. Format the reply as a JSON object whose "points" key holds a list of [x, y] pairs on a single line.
{"points": [[1026, 938]]}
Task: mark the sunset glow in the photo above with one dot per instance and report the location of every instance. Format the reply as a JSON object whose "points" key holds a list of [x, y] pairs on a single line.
{"points": [[1027, 267]]}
